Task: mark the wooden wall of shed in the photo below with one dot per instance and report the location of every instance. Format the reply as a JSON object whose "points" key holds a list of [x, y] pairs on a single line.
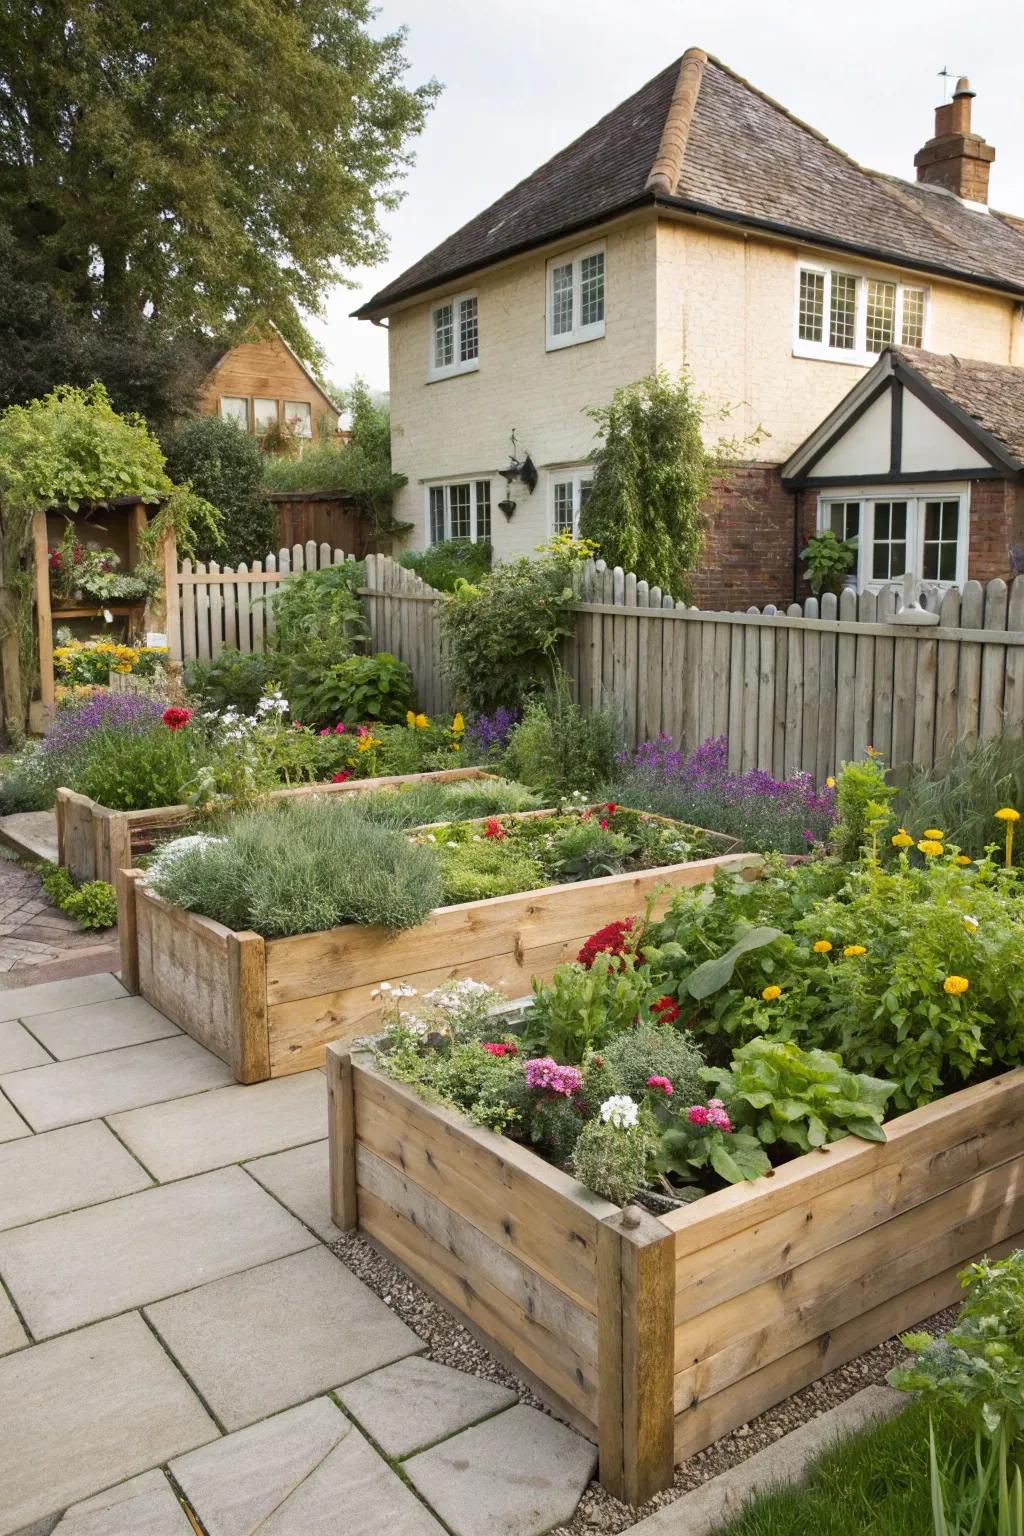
{"points": [[263, 368]]}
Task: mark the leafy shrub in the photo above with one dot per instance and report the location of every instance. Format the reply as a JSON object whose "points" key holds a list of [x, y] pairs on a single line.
{"points": [[651, 1050], [233, 680], [612, 1160], [803, 1098], [93, 904], [828, 561], [863, 791], [224, 465], [763, 813], [318, 618], [961, 793], [302, 867], [25, 786], [449, 561], [375, 687], [475, 871], [417, 805], [558, 747], [581, 1009], [128, 771]]}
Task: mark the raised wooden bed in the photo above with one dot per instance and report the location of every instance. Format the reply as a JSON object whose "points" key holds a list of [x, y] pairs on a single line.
{"points": [[269, 1006], [658, 1335], [94, 842]]}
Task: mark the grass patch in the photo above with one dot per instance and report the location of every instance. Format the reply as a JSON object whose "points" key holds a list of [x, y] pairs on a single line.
{"points": [[416, 805]]}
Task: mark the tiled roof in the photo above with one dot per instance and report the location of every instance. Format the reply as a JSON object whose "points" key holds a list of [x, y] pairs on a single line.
{"points": [[992, 394], [744, 159]]}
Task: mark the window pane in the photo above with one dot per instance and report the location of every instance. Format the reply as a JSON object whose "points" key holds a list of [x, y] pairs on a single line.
{"points": [[585, 486], [563, 509], [483, 509], [468, 337], [881, 315], [889, 552], [843, 311], [298, 418], [812, 306], [264, 415], [234, 408], [436, 513], [461, 524], [912, 333], [844, 519], [592, 289], [444, 336], [561, 300], [941, 538]]}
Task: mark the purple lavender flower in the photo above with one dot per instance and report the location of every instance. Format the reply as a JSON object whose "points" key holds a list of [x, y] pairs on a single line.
{"points": [[490, 733], [129, 712]]}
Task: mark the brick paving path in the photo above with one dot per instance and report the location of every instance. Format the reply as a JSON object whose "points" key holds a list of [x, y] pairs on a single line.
{"points": [[32, 932]]}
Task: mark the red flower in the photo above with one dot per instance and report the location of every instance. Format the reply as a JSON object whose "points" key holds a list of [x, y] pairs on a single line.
{"points": [[174, 718], [609, 940], [667, 1010], [494, 828], [500, 1048], [55, 559], [341, 778], [604, 824], [611, 807]]}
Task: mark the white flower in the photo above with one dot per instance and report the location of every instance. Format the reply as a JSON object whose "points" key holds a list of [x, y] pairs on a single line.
{"points": [[620, 1111], [273, 704], [195, 842]]}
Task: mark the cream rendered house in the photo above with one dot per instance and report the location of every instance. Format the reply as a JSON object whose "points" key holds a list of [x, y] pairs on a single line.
{"points": [[700, 225]]}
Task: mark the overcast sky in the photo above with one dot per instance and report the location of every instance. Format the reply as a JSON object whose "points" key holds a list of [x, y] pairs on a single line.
{"points": [[524, 77]]}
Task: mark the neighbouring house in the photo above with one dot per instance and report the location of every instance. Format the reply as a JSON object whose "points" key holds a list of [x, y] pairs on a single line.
{"points": [[700, 225], [264, 387]]}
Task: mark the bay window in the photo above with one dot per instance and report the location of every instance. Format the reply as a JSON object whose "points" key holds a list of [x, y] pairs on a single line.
{"points": [[925, 533], [847, 317]]}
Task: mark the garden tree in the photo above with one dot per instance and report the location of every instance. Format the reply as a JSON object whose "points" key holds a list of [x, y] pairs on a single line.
{"points": [[194, 164], [653, 474], [68, 450], [224, 464]]}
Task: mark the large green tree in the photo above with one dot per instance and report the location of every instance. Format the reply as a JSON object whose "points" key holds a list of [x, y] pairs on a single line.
{"points": [[196, 163]]}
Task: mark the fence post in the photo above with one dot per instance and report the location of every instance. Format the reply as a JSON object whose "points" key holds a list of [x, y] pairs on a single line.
{"points": [[342, 1140]]}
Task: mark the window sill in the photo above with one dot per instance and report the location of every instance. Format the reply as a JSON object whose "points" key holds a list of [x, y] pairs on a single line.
{"points": [[574, 339], [835, 355], [453, 373]]}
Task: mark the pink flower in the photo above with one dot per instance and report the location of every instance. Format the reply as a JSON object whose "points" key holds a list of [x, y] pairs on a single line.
{"points": [[660, 1082], [717, 1115], [500, 1047], [296, 725], [326, 731], [545, 1074], [494, 829], [363, 730], [698, 1114], [339, 729], [603, 824]]}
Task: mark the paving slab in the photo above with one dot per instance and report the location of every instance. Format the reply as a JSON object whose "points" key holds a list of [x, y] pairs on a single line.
{"points": [[86, 1411], [306, 1472], [32, 833], [92, 1086], [417, 1401], [300, 1179], [63, 1170], [11, 1123], [143, 1506], [12, 1334], [105, 1026], [274, 1336], [18, 1049], [515, 1475], [210, 1130], [48, 996], [89, 1264]]}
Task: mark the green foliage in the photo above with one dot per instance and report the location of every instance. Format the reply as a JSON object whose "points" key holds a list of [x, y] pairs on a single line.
{"points": [[377, 687], [612, 1161], [502, 634], [689, 1151], [859, 787], [559, 747], [233, 680], [302, 867], [580, 1010], [474, 871], [802, 1098], [827, 561], [224, 465], [318, 625], [655, 1050], [93, 904], [130, 772], [961, 794], [25, 786], [652, 478], [448, 562], [416, 805], [585, 850]]}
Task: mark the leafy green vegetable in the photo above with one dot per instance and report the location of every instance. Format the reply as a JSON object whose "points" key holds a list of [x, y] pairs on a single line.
{"points": [[803, 1098]]}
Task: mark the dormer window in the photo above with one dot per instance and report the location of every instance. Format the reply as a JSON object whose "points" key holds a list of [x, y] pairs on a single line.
{"points": [[454, 337], [846, 317], [575, 300]]}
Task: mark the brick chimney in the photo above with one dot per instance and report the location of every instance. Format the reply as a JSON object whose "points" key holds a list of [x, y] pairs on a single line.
{"points": [[956, 158]]}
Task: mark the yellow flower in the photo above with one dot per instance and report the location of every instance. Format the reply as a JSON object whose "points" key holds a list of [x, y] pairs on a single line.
{"points": [[872, 752], [771, 993], [854, 949], [822, 947], [954, 985], [929, 848], [1007, 814], [421, 722], [971, 924], [902, 839], [366, 742], [830, 782], [962, 860], [410, 717], [458, 723], [933, 832], [456, 746]]}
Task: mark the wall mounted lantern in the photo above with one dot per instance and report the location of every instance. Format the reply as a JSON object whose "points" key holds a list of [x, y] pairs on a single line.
{"points": [[522, 469]]}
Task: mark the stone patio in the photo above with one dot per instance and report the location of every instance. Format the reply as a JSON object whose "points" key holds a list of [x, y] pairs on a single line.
{"points": [[175, 1335], [35, 936]]}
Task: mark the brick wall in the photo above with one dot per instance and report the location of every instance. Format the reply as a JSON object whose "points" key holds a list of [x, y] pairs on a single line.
{"points": [[749, 555]]}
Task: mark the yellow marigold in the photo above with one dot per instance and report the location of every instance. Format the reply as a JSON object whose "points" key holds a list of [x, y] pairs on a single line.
{"points": [[456, 746], [458, 723], [902, 839], [954, 985], [771, 993], [410, 717], [822, 947], [962, 860], [366, 742], [421, 722], [934, 833], [929, 848], [872, 752], [830, 782], [854, 949], [1007, 814]]}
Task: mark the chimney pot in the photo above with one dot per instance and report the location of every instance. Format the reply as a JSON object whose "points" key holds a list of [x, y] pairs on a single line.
{"points": [[956, 157]]}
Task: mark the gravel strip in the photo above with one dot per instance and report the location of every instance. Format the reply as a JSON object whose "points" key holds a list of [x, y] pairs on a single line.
{"points": [[450, 1343]]}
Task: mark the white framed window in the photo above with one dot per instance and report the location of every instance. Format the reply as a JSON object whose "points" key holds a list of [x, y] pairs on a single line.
{"points": [[298, 416], [454, 337], [847, 317], [235, 408], [264, 416], [569, 491], [924, 532], [459, 510], [575, 297]]}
